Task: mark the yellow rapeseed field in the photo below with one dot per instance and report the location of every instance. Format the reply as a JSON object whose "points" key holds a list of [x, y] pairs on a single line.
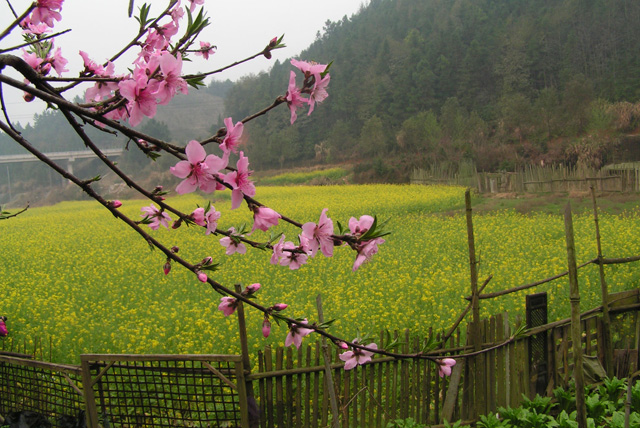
{"points": [[75, 277]]}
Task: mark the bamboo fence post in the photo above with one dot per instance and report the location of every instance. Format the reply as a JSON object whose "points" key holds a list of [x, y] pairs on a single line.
{"points": [[606, 318], [479, 402], [249, 401], [327, 370], [576, 333]]}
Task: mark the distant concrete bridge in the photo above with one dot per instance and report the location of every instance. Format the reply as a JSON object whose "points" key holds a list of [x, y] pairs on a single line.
{"points": [[70, 156]]}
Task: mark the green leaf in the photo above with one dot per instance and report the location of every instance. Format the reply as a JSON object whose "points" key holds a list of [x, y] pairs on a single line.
{"points": [[196, 82], [326, 70], [212, 267]]}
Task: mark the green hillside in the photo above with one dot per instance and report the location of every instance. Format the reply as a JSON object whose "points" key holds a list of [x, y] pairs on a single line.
{"points": [[500, 82]]}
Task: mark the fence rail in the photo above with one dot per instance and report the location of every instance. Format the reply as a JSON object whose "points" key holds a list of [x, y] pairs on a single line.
{"points": [[534, 179]]}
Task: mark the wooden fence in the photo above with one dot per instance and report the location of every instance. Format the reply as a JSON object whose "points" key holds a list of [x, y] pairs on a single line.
{"points": [[291, 387], [534, 179]]}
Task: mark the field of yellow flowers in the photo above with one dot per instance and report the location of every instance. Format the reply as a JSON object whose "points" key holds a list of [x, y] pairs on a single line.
{"points": [[75, 277]]}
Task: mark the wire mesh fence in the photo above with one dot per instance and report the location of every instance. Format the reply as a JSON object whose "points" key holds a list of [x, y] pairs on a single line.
{"points": [[124, 391], [164, 391], [39, 391]]}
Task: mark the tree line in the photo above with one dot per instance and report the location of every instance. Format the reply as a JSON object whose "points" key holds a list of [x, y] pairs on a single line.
{"points": [[498, 82]]}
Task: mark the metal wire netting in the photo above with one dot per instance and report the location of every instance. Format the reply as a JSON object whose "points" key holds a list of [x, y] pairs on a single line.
{"points": [[166, 393], [34, 389]]}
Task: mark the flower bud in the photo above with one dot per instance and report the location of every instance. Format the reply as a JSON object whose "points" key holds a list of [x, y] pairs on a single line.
{"points": [[176, 224], [28, 97], [45, 69], [175, 249], [167, 267], [116, 204], [280, 306], [273, 42], [157, 189], [207, 261], [266, 327], [342, 345], [202, 277], [252, 288]]}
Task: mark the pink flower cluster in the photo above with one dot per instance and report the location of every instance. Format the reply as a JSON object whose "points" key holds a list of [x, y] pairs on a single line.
{"points": [[296, 333], [155, 217], [208, 219], [357, 356], [199, 170], [314, 84], [366, 249], [233, 245], [445, 365]]}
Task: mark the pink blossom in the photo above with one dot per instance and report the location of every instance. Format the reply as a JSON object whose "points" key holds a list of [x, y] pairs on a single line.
{"points": [[232, 138], [366, 250], [361, 226], [445, 365], [193, 4], [31, 28], [212, 218], [156, 216], [47, 11], [205, 50], [198, 169], [32, 59], [266, 327], [280, 307], [231, 245], [277, 251], [240, 182], [228, 305], [264, 218], [3, 327], [319, 235], [59, 62], [198, 217], [357, 356], [294, 98], [177, 12], [202, 277], [116, 204], [251, 289], [309, 68], [142, 101], [296, 333], [319, 92], [100, 90], [158, 38], [170, 82], [294, 259]]}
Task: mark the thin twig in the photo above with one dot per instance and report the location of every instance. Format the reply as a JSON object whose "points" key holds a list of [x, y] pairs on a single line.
{"points": [[4, 217]]}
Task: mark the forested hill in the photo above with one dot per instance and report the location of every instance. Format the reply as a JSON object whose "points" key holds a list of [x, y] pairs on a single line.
{"points": [[501, 82]]}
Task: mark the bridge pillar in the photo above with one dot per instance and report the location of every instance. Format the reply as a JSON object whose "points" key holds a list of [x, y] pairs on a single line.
{"points": [[70, 165]]}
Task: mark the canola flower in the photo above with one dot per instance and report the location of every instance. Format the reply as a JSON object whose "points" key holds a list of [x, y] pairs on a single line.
{"points": [[89, 284]]}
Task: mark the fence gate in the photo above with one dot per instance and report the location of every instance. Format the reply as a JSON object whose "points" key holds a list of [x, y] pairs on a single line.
{"points": [[537, 316], [165, 390]]}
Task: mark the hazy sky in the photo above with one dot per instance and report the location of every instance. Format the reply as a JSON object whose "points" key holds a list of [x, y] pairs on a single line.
{"points": [[239, 28]]}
